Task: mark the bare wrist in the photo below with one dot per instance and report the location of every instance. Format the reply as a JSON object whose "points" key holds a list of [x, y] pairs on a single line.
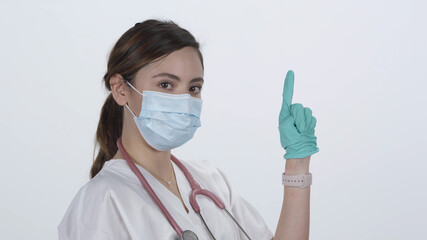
{"points": [[297, 166]]}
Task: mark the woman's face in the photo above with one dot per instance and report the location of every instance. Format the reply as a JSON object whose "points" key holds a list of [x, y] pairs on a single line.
{"points": [[178, 73]]}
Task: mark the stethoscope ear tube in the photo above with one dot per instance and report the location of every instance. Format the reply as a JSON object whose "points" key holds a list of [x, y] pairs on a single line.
{"points": [[237, 223]]}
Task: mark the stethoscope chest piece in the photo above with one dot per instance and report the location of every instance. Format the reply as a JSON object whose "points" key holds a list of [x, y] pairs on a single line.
{"points": [[189, 235]]}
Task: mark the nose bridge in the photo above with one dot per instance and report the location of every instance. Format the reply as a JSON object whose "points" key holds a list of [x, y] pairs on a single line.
{"points": [[181, 88]]}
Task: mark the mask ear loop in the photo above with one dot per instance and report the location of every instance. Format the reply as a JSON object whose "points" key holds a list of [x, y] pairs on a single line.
{"points": [[130, 110], [135, 90]]}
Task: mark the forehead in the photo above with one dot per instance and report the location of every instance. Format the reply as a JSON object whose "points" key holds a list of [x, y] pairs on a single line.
{"points": [[184, 62]]}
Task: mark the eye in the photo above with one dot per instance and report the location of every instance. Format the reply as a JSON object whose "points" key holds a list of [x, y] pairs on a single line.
{"points": [[198, 87], [164, 85]]}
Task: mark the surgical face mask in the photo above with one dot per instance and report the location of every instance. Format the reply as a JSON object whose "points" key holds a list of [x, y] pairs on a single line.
{"points": [[167, 121]]}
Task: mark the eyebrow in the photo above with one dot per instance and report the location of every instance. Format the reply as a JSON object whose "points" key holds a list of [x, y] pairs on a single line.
{"points": [[164, 74]]}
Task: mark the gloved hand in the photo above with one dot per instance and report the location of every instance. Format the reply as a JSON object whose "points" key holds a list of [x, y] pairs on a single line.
{"points": [[296, 124]]}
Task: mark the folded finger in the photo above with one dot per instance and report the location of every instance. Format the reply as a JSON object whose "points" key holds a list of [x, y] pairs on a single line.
{"points": [[308, 117], [298, 113], [312, 125]]}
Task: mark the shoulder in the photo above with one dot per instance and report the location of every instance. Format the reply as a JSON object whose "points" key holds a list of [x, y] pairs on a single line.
{"points": [[108, 180], [99, 192], [93, 212]]}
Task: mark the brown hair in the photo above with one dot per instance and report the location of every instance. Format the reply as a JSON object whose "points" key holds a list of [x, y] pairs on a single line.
{"points": [[137, 47]]}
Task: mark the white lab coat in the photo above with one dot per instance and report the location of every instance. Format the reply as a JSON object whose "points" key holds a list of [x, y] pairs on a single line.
{"points": [[115, 205]]}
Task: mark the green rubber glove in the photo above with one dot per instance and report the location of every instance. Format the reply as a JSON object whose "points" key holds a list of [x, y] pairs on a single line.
{"points": [[296, 124]]}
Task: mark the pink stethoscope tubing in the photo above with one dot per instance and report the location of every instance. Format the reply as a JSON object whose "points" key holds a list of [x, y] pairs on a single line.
{"points": [[196, 189]]}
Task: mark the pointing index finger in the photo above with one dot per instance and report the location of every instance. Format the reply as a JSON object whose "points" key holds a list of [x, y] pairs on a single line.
{"points": [[288, 90]]}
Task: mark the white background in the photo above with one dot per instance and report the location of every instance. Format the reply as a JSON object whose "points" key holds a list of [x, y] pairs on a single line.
{"points": [[360, 66]]}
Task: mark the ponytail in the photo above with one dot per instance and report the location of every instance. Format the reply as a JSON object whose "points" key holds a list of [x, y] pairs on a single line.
{"points": [[108, 131]]}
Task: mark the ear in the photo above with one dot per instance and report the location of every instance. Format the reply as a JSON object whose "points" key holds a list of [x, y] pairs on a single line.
{"points": [[118, 89]]}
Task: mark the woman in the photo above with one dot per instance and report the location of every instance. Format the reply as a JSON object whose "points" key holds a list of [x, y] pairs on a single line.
{"points": [[138, 189]]}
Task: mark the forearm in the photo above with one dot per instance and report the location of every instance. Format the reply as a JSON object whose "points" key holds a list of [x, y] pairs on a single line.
{"points": [[294, 221]]}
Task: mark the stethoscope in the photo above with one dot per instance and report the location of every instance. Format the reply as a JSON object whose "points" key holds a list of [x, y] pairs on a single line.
{"points": [[195, 190]]}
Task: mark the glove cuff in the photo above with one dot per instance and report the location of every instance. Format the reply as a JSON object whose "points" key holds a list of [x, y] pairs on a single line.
{"points": [[300, 154]]}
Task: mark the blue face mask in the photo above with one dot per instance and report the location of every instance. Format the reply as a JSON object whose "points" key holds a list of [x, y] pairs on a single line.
{"points": [[167, 121]]}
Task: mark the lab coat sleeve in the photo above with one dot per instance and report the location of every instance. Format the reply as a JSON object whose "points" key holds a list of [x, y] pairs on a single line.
{"points": [[93, 215], [247, 216]]}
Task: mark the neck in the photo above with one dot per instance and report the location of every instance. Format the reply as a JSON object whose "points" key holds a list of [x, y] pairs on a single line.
{"points": [[156, 162]]}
